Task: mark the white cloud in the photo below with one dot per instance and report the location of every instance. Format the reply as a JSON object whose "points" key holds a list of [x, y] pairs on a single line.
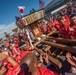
{"points": [[7, 28]]}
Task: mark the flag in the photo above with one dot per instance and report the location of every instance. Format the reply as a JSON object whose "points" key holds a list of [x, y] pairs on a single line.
{"points": [[21, 9], [41, 3]]}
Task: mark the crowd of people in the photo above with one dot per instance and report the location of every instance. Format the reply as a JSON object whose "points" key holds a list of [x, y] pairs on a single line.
{"points": [[63, 21], [22, 60], [18, 58]]}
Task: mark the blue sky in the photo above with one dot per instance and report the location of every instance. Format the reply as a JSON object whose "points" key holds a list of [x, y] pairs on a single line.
{"points": [[9, 9]]}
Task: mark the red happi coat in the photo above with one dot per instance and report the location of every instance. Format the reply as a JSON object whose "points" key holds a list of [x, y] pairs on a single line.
{"points": [[67, 21], [45, 71], [14, 71], [56, 24], [64, 31], [72, 34]]}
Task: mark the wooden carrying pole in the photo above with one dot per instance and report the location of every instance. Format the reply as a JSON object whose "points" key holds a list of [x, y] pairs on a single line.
{"points": [[45, 37], [53, 60], [64, 47], [63, 40]]}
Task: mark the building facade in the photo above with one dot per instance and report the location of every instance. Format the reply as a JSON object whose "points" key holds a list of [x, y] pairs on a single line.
{"points": [[54, 4]]}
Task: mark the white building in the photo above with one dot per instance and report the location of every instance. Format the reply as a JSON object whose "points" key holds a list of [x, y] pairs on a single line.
{"points": [[55, 5]]}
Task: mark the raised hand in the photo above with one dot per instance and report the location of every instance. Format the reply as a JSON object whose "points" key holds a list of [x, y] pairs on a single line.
{"points": [[68, 55], [41, 58], [3, 55], [2, 70], [46, 58], [71, 59]]}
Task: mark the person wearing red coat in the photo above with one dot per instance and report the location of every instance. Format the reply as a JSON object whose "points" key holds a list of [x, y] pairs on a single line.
{"points": [[56, 24], [29, 65], [65, 23], [72, 28]]}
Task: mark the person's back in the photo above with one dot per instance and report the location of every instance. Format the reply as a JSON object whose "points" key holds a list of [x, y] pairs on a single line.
{"points": [[45, 71]]}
